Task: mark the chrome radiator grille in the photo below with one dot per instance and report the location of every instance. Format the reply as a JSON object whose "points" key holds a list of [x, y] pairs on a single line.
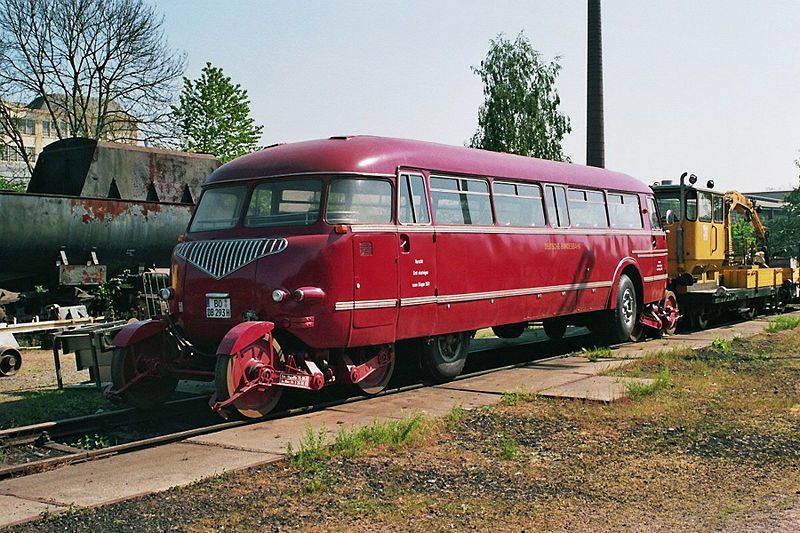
{"points": [[220, 258]]}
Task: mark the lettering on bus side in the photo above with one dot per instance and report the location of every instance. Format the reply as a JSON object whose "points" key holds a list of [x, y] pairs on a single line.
{"points": [[562, 246]]}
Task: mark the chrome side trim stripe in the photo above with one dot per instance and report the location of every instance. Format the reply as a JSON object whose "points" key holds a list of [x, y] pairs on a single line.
{"points": [[390, 228], [655, 278], [365, 304], [653, 251], [467, 297]]}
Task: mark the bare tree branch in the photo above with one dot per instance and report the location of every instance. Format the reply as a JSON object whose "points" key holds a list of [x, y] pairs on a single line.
{"points": [[102, 67]]}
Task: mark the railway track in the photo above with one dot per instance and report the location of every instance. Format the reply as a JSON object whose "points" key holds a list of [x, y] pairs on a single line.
{"points": [[56, 439], [55, 436]]}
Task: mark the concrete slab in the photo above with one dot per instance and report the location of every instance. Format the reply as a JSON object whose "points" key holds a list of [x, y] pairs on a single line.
{"points": [[275, 436], [432, 401], [579, 365], [524, 379], [17, 510], [595, 388], [124, 476]]}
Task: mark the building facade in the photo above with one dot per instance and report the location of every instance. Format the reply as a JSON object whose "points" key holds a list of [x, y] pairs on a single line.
{"points": [[37, 130]]}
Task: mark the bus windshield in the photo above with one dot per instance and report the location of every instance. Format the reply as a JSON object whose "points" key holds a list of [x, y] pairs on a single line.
{"points": [[219, 208], [290, 202], [282, 202]]}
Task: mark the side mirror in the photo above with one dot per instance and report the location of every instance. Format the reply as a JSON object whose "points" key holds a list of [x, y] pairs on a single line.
{"points": [[669, 217]]}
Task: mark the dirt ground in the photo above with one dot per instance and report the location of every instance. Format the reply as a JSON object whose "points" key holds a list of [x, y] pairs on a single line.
{"points": [[31, 394], [715, 446]]}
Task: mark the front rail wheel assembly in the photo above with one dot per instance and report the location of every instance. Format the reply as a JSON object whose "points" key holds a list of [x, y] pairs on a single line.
{"points": [[444, 356], [246, 375], [10, 361], [139, 375]]}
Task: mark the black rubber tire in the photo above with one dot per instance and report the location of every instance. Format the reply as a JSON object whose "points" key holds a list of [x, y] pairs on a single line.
{"points": [[510, 331], [621, 326], [444, 356], [10, 362], [555, 328], [145, 395], [701, 320]]}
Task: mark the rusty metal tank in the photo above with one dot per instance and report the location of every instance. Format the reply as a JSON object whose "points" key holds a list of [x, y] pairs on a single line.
{"points": [[95, 208]]}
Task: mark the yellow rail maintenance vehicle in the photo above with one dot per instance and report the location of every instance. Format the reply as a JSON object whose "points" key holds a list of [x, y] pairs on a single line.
{"points": [[707, 276]]}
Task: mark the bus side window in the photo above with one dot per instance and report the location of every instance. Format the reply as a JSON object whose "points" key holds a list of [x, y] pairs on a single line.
{"points": [[413, 205], [556, 201], [652, 210]]}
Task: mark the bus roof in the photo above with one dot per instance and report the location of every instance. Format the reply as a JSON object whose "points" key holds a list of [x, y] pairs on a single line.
{"points": [[382, 155]]}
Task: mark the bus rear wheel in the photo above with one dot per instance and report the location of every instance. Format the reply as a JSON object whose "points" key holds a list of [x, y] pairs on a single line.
{"points": [[510, 331], [554, 328], [622, 323], [444, 356]]}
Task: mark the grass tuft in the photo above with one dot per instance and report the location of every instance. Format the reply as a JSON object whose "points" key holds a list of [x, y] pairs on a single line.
{"points": [[598, 352], [314, 449], [783, 322], [513, 398], [456, 414], [508, 449], [637, 391], [722, 346]]}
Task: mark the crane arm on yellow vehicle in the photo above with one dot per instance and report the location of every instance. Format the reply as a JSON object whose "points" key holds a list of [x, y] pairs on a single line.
{"points": [[737, 202]]}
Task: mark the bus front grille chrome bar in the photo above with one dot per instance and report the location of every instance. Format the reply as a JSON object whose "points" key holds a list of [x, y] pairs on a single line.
{"points": [[220, 258]]}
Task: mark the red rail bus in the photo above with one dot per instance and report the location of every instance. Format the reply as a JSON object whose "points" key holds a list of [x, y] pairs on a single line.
{"points": [[304, 264]]}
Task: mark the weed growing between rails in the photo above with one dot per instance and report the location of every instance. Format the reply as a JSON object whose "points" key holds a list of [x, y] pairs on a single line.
{"points": [[783, 322]]}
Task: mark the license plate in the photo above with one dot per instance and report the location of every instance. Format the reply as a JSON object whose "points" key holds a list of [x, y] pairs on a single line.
{"points": [[294, 380], [218, 307]]}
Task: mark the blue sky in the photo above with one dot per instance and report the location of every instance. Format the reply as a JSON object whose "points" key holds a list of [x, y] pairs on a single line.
{"points": [[712, 87]]}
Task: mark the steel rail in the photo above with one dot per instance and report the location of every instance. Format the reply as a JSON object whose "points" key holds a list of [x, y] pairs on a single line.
{"points": [[78, 457]]}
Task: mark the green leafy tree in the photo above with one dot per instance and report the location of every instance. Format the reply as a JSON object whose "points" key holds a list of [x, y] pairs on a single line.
{"points": [[214, 116], [520, 113], [7, 184], [784, 229]]}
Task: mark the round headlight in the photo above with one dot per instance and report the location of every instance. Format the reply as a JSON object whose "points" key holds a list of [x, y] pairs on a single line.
{"points": [[167, 293], [279, 295]]}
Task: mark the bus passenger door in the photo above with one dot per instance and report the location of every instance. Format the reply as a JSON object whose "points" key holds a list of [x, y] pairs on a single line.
{"points": [[417, 258], [375, 280]]}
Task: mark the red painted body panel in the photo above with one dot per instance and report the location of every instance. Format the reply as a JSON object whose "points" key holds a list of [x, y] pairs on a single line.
{"points": [[137, 331], [388, 282]]}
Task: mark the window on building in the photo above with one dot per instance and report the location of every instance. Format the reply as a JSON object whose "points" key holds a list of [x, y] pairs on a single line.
{"points": [[624, 211], [413, 208], [48, 129], [587, 209], [518, 204], [4, 152], [26, 126], [555, 198]]}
